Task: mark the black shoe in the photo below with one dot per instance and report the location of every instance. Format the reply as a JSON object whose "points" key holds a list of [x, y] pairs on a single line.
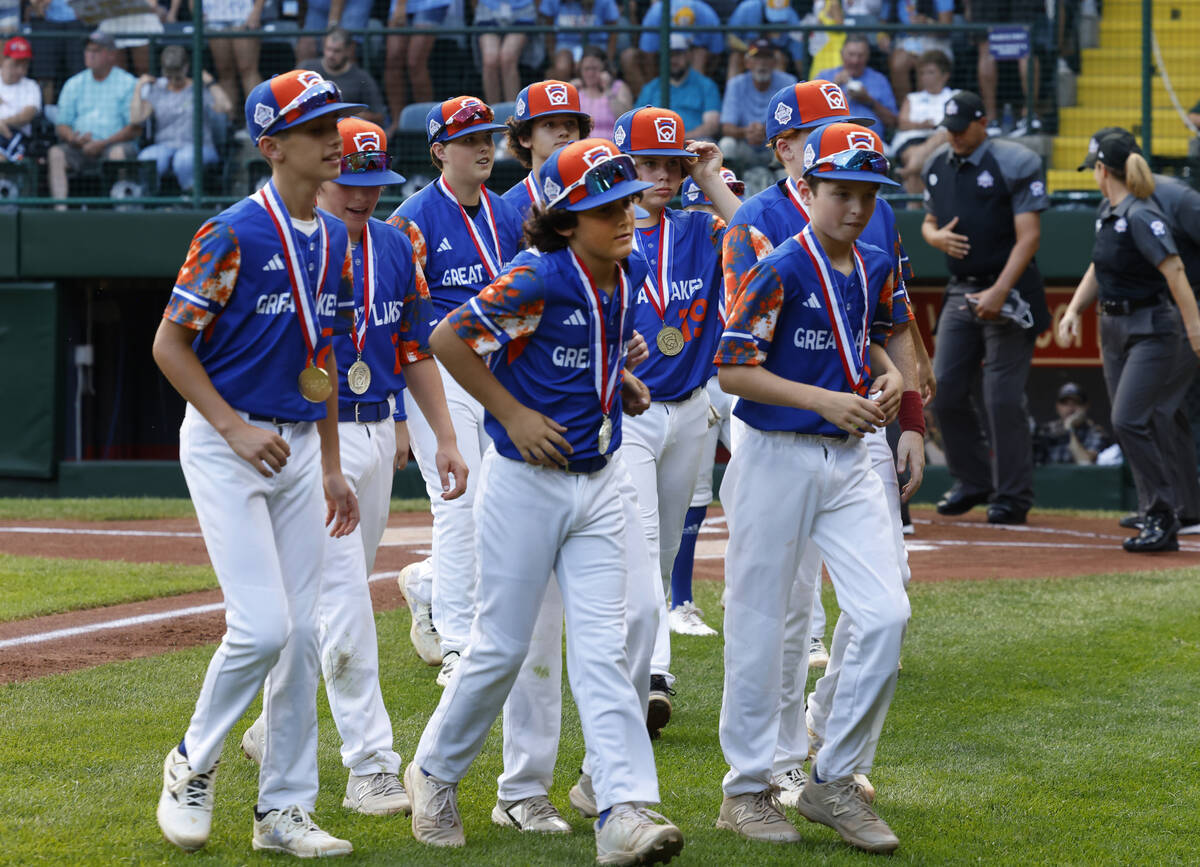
{"points": [[1003, 513], [1160, 533], [658, 714], [955, 502], [1132, 521]]}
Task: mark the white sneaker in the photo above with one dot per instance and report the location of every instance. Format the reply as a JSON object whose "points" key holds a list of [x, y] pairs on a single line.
{"points": [[291, 830], [380, 794], [254, 740], [425, 639], [868, 789], [186, 803], [791, 784], [635, 835], [583, 797], [818, 655], [449, 664], [686, 619], [535, 814], [435, 817], [815, 741]]}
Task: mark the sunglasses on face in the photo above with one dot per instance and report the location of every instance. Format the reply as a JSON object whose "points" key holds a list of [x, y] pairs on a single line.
{"points": [[312, 97], [854, 160], [465, 114], [601, 177], [366, 161]]}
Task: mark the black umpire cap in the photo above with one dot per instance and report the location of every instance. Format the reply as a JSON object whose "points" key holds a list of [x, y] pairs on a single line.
{"points": [[1113, 150], [962, 109], [1089, 161]]}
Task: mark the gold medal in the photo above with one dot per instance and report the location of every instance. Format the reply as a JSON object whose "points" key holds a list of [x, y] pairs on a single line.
{"points": [[604, 438], [358, 377], [315, 386], [670, 340]]}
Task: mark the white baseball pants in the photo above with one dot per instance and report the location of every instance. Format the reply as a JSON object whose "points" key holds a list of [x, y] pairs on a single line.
{"points": [[662, 449], [782, 489], [718, 432], [264, 538], [573, 525]]}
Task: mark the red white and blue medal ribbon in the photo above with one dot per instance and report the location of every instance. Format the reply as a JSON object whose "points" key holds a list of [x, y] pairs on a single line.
{"points": [[305, 296], [854, 359], [492, 258], [359, 338], [659, 294], [794, 194], [606, 372], [535, 192]]}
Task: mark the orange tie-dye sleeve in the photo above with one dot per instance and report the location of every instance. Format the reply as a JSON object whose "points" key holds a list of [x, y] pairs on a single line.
{"points": [[415, 237], [207, 278], [507, 310], [752, 318]]}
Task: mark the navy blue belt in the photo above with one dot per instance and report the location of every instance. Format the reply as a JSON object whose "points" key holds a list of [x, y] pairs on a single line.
{"points": [[273, 419], [364, 412], [587, 466]]}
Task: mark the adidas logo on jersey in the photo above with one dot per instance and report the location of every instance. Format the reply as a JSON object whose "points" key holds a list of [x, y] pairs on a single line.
{"points": [[276, 264], [813, 301], [444, 246], [576, 318]]}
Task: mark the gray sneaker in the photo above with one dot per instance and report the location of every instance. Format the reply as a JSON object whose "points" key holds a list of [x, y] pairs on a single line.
{"points": [[635, 835], [790, 784], [841, 805], [757, 816], [293, 831], [435, 817], [380, 794], [583, 797], [535, 814]]}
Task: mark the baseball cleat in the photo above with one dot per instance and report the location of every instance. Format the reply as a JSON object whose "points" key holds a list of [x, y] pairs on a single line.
{"points": [[435, 817], [956, 502], [583, 797], [535, 814], [815, 741], [449, 664], [757, 816], [842, 805], [380, 794], [687, 619], [424, 636], [658, 712], [254, 740], [186, 803], [868, 789], [293, 831], [1188, 526], [635, 835], [790, 784], [818, 656]]}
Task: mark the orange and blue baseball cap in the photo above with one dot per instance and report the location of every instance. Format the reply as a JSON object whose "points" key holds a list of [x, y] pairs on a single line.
{"points": [[365, 160], [587, 174], [650, 131], [292, 98], [847, 152], [459, 116], [691, 193], [809, 104], [547, 98]]}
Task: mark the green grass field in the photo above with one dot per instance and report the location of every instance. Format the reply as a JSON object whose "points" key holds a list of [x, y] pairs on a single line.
{"points": [[1036, 722]]}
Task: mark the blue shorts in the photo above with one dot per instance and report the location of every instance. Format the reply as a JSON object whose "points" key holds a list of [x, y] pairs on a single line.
{"points": [[430, 17], [505, 15], [354, 15]]}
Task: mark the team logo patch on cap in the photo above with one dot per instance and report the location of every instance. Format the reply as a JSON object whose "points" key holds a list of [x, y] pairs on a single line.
{"points": [[862, 141], [591, 156], [951, 108], [520, 107], [693, 193], [433, 127], [985, 179], [783, 113], [619, 136], [664, 128], [1158, 228], [1093, 146], [834, 97], [309, 78], [810, 155], [684, 16], [264, 115], [367, 141], [556, 94], [551, 189]]}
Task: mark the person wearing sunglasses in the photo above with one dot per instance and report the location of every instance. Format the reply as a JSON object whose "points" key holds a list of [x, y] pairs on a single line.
{"points": [[803, 350], [551, 481], [244, 341], [462, 235], [388, 333], [547, 116]]}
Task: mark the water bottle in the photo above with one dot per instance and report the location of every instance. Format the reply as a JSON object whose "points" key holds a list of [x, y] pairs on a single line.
{"points": [[1006, 121]]}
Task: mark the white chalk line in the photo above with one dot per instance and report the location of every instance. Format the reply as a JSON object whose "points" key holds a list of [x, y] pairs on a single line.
{"points": [[79, 531]]}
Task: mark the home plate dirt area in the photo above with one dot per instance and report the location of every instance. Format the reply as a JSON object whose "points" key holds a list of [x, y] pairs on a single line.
{"points": [[963, 548]]}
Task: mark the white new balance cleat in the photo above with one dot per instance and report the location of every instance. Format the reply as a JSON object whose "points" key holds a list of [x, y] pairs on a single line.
{"points": [[535, 814], [687, 619], [791, 784], [254, 740], [842, 806], [449, 664], [425, 639], [293, 831], [635, 835], [435, 817], [186, 803], [818, 654], [380, 794]]}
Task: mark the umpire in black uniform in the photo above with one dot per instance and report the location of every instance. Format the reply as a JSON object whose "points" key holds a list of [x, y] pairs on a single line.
{"points": [[983, 198], [1180, 204], [1135, 272]]}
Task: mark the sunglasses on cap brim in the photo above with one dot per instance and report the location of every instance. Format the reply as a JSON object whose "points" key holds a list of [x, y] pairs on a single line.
{"points": [[853, 160], [600, 177], [464, 115], [738, 188], [312, 97], [366, 161]]}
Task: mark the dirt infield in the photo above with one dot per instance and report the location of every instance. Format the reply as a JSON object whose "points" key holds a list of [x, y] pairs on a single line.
{"points": [[942, 549]]}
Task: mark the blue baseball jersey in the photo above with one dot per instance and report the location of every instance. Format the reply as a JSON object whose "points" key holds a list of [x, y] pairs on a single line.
{"points": [[781, 320], [235, 291], [521, 196], [694, 302], [398, 324], [537, 321], [447, 250]]}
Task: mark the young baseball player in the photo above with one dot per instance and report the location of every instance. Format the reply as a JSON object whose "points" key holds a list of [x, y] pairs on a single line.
{"points": [[389, 333], [551, 398], [243, 340], [677, 307], [803, 352], [547, 116], [462, 235]]}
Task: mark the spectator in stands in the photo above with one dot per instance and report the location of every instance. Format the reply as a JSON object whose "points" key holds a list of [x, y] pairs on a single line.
{"points": [[918, 135], [93, 115], [744, 109], [407, 62], [908, 48], [750, 13], [825, 46], [56, 58], [693, 95], [20, 99], [10, 16], [235, 60], [324, 14], [686, 14], [1072, 438], [564, 47], [599, 96], [337, 64], [146, 21], [169, 100], [1032, 12], [500, 51], [869, 92]]}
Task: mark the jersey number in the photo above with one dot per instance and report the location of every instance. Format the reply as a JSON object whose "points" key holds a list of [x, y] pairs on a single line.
{"points": [[696, 314]]}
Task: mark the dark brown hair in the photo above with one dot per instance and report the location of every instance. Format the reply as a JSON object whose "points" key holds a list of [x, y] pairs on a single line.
{"points": [[542, 228], [938, 58], [515, 129]]}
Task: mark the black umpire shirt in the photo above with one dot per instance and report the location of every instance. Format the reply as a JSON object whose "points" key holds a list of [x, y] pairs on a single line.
{"points": [[1181, 206], [985, 190], [1132, 240]]}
